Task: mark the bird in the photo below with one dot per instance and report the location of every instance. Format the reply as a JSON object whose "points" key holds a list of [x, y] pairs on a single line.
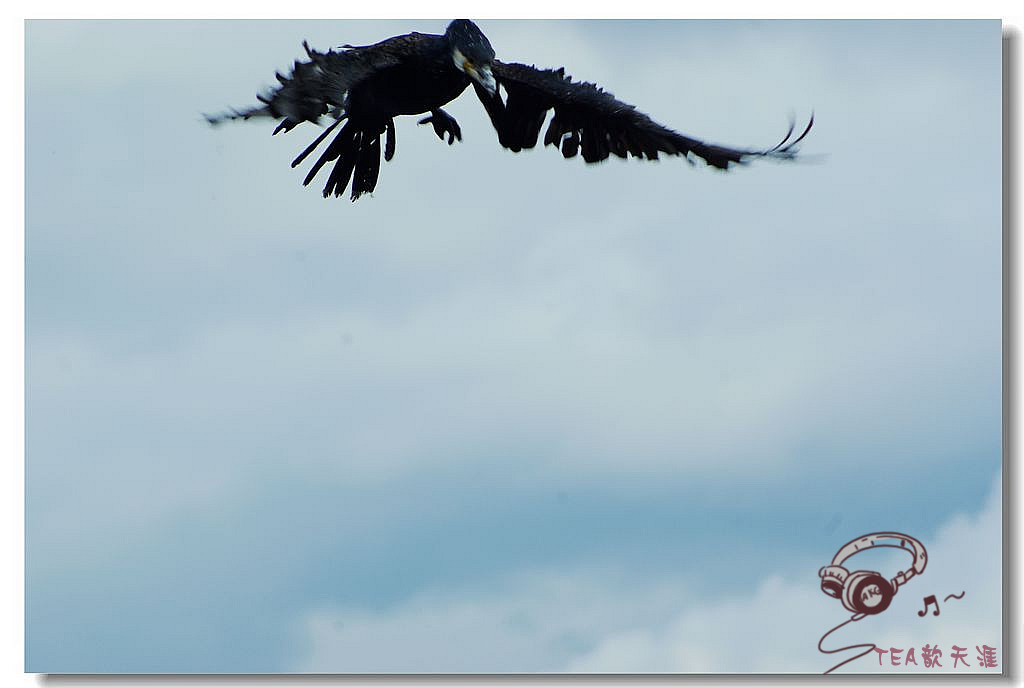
{"points": [[364, 88]]}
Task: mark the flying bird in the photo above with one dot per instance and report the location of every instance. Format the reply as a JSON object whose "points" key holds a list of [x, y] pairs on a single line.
{"points": [[366, 87]]}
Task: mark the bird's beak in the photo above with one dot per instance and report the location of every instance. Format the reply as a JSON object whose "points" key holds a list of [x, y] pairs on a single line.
{"points": [[484, 77]]}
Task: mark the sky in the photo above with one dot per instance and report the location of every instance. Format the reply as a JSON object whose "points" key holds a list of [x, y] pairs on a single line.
{"points": [[511, 413]]}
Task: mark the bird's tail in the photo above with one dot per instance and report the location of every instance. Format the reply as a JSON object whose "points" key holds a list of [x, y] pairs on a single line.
{"points": [[355, 152]]}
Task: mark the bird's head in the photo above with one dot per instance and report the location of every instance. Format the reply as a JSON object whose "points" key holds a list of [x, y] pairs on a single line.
{"points": [[472, 53]]}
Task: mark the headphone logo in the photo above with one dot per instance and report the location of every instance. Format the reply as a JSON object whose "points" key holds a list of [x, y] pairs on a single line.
{"points": [[869, 592]]}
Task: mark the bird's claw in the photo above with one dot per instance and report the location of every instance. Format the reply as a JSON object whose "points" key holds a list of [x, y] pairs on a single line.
{"points": [[443, 123]]}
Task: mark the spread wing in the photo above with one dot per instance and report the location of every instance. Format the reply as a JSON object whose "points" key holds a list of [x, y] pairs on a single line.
{"points": [[320, 85], [591, 121]]}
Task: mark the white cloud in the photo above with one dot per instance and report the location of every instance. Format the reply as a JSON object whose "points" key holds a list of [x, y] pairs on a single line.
{"points": [[587, 623], [522, 623], [777, 628]]}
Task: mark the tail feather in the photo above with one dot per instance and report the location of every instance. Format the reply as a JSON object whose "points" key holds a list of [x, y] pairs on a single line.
{"points": [[312, 147], [356, 153], [333, 151], [367, 166], [389, 145], [342, 172]]}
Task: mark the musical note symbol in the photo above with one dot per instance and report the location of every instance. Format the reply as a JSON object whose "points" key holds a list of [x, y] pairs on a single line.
{"points": [[928, 601]]}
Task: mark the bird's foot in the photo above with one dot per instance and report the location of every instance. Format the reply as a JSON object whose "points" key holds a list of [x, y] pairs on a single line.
{"points": [[443, 123]]}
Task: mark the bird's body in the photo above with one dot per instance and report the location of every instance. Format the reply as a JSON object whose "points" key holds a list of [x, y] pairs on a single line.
{"points": [[406, 90], [368, 86], [422, 78]]}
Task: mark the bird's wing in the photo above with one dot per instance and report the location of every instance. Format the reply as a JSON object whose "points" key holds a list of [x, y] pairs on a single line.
{"points": [[320, 85], [589, 120]]}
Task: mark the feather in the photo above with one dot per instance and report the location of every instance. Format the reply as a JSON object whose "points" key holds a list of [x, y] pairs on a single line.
{"points": [[601, 124], [389, 145]]}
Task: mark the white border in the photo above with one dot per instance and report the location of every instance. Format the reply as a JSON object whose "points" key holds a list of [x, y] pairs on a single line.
{"points": [[12, 251]]}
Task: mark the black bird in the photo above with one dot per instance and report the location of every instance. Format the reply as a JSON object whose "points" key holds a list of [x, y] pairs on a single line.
{"points": [[418, 73]]}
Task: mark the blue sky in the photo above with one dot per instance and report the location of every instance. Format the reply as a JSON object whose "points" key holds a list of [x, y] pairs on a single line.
{"points": [[562, 414]]}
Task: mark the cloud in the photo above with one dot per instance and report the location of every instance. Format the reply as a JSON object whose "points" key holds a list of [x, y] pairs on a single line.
{"points": [[522, 623], [586, 622], [777, 627]]}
